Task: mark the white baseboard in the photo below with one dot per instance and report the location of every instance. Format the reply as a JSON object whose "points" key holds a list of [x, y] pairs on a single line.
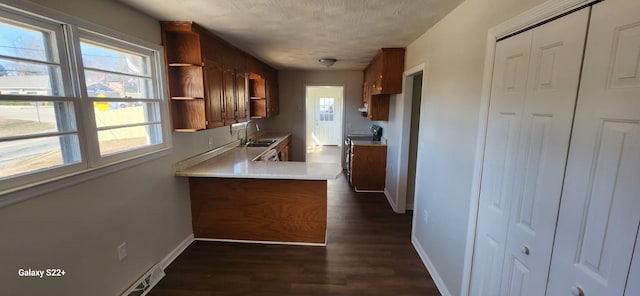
{"points": [[261, 242], [392, 202], [176, 252], [442, 288]]}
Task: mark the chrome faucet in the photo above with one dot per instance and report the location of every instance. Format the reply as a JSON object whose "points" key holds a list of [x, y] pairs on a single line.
{"points": [[246, 131]]}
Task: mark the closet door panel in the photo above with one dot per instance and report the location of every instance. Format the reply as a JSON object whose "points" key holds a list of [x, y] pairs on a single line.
{"points": [[600, 210], [552, 89], [633, 284], [507, 100]]}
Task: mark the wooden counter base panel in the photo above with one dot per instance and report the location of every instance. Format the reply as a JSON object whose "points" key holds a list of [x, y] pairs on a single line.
{"points": [[259, 209]]}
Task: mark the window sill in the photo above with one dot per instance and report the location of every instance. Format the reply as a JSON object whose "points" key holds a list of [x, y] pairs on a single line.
{"points": [[18, 194]]}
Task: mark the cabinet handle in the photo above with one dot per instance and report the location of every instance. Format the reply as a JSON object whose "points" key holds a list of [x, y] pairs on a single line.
{"points": [[525, 250], [577, 291]]}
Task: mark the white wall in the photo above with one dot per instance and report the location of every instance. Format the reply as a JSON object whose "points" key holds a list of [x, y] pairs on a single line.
{"points": [[391, 132], [453, 52], [78, 228], [292, 103]]}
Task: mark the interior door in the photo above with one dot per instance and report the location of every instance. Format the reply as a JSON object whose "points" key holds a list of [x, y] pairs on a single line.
{"points": [[324, 115], [507, 100], [600, 211], [527, 142], [552, 89]]}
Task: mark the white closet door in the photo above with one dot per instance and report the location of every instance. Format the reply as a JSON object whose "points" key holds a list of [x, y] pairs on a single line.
{"points": [[600, 210], [531, 110], [552, 89], [633, 280], [507, 100]]}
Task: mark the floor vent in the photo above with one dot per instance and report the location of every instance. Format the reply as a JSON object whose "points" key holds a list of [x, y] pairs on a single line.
{"points": [[143, 285]]}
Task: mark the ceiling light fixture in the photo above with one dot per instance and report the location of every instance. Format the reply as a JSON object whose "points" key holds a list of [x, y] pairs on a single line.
{"points": [[327, 62]]}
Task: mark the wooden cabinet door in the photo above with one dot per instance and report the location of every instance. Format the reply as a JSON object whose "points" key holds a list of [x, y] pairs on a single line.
{"points": [[368, 167], [273, 103], [283, 149], [214, 93], [241, 97], [228, 82]]}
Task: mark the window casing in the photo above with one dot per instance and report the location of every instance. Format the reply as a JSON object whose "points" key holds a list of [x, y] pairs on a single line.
{"points": [[74, 99]]}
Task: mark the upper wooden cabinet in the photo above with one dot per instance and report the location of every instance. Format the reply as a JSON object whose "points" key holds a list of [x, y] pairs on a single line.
{"points": [[382, 78], [208, 78], [384, 73]]}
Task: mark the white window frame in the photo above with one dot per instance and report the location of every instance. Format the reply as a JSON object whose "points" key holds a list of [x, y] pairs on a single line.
{"points": [[95, 158], [68, 31]]}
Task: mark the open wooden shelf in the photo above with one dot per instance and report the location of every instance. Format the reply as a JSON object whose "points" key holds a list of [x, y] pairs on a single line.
{"points": [[187, 98], [258, 108], [183, 51], [196, 119], [184, 65], [257, 96], [186, 82]]}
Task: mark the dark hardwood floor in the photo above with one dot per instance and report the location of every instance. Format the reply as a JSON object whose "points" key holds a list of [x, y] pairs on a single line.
{"points": [[368, 253]]}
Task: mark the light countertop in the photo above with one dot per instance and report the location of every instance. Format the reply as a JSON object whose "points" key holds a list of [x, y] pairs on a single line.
{"points": [[234, 161], [367, 143]]}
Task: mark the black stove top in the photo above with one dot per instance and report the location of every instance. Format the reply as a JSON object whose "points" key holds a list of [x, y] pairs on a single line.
{"points": [[360, 137], [376, 133]]}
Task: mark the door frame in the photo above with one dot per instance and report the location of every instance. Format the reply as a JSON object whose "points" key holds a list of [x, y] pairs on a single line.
{"points": [[400, 206], [342, 115], [530, 18]]}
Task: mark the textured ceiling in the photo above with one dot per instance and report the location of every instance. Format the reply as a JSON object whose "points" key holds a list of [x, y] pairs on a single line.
{"points": [[294, 34]]}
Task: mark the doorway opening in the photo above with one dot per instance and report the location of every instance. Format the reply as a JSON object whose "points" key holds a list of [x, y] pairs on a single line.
{"points": [[416, 100], [324, 114]]}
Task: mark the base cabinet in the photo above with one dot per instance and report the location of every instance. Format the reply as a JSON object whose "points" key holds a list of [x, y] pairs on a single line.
{"points": [[284, 149], [259, 210], [368, 167]]}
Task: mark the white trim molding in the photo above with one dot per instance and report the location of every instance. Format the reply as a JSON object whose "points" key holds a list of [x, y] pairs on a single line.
{"points": [[262, 242], [167, 260], [405, 127], [536, 15], [433, 272], [392, 202]]}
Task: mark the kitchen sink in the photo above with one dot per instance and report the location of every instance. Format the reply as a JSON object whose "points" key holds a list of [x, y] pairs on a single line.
{"points": [[260, 143]]}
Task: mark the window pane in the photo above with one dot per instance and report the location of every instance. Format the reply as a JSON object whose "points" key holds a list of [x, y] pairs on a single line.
{"points": [[128, 138], [19, 118], [326, 109], [104, 58], [106, 85], [30, 79], [22, 42], [123, 113], [24, 156]]}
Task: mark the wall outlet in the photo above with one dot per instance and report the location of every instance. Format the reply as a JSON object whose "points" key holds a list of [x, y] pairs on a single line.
{"points": [[122, 251], [425, 217], [211, 142]]}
